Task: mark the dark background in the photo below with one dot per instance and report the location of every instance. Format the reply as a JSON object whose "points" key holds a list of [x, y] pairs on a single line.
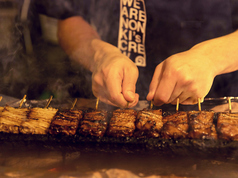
{"points": [[32, 62]]}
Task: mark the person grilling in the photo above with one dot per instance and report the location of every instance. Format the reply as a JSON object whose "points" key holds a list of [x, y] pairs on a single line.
{"points": [[158, 50]]}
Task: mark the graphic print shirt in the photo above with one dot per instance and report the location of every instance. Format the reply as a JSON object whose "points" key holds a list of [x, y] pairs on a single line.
{"points": [[149, 31], [132, 28]]}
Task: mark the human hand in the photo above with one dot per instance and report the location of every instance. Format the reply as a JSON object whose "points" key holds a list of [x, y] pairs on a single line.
{"points": [[188, 76], [114, 77]]}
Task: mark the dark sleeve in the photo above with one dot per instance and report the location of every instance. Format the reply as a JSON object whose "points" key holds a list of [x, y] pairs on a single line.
{"points": [[61, 9], [234, 13]]}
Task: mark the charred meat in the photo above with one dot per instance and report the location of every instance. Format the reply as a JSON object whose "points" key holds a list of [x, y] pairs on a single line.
{"points": [[65, 122], [122, 123], [175, 125], [201, 125], [148, 123], [94, 123], [227, 126]]}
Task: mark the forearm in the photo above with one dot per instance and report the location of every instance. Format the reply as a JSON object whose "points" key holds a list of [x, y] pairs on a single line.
{"points": [[114, 75], [75, 37], [222, 53], [82, 43]]}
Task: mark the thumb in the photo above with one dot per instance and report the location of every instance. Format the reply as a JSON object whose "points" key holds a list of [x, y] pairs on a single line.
{"points": [[155, 82], [129, 83]]}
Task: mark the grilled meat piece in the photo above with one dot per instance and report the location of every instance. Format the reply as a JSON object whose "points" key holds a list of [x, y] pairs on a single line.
{"points": [[227, 126], [201, 125], [122, 123], [38, 121], [11, 119], [65, 122], [94, 123], [175, 125], [148, 123], [1, 109]]}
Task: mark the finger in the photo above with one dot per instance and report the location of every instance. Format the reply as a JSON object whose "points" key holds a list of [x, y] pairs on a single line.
{"points": [[176, 93], [100, 94], [114, 89], [165, 89], [154, 82], [100, 91], [180, 91], [98, 85], [105, 100], [186, 98], [190, 101], [130, 77], [109, 89], [134, 103], [103, 96], [128, 105]]}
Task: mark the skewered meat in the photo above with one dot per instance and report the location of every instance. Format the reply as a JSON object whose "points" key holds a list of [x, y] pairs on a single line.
{"points": [[1, 109], [201, 125], [94, 123], [175, 125], [122, 123], [227, 126], [148, 123], [11, 118], [65, 122], [38, 121]]}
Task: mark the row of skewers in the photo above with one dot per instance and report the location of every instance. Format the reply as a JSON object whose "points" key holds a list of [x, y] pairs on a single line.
{"points": [[125, 122]]}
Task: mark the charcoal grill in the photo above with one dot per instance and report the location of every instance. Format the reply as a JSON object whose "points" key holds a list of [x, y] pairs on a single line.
{"points": [[80, 156]]}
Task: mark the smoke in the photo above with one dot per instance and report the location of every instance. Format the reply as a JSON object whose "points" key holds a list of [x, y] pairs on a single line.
{"points": [[46, 71]]}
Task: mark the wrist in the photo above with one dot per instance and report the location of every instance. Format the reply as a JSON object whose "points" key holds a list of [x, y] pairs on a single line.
{"points": [[221, 53], [102, 50]]}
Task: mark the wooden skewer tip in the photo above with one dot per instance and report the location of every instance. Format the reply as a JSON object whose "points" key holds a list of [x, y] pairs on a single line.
{"points": [[48, 103], [22, 101], [199, 104], [229, 104], [96, 107], [74, 103], [127, 104], [151, 104], [177, 105]]}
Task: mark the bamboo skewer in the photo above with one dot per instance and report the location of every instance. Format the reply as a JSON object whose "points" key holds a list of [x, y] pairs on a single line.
{"points": [[229, 104], [199, 104], [22, 101], [48, 103], [74, 103], [151, 104], [96, 107], [177, 105], [127, 104]]}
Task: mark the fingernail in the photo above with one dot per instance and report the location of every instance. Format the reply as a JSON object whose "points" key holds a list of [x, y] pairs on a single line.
{"points": [[202, 99]]}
